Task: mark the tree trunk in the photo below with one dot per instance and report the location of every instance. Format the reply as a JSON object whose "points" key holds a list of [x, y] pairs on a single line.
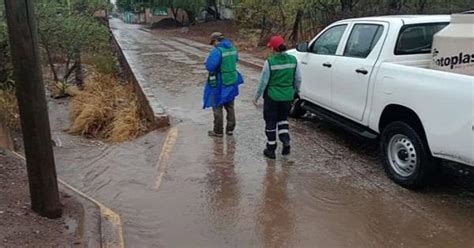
{"points": [[346, 5], [296, 26], [33, 108], [191, 17], [265, 32], [216, 8], [4, 63], [421, 6], [68, 72], [78, 70], [51, 63], [394, 6]]}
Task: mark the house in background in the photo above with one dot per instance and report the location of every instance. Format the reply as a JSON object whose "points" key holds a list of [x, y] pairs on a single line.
{"points": [[157, 14], [133, 17], [226, 8], [219, 9], [223, 9]]}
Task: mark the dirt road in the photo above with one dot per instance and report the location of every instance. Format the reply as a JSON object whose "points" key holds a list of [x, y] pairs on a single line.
{"points": [[181, 188]]}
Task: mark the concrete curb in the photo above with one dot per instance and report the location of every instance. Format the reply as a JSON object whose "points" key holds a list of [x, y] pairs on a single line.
{"points": [[111, 227], [152, 108], [102, 226], [91, 229]]}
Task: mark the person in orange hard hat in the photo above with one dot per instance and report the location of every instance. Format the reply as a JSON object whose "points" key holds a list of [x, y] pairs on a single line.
{"points": [[279, 82]]}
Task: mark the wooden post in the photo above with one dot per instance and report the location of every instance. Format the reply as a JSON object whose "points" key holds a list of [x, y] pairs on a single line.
{"points": [[33, 109]]}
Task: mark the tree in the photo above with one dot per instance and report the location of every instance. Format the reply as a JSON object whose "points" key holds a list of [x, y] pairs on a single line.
{"points": [[302, 19], [213, 9], [67, 34], [191, 7], [124, 5], [395, 6]]}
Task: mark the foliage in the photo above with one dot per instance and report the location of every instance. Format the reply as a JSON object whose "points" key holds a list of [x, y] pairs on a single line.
{"points": [[191, 7], [134, 5], [82, 6], [104, 62], [9, 114], [65, 35], [302, 19], [6, 69], [124, 5]]}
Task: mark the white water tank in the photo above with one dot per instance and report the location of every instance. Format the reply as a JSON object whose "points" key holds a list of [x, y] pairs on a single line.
{"points": [[453, 46]]}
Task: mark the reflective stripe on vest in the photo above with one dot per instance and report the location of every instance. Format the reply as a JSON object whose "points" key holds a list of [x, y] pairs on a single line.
{"points": [[212, 80], [225, 54], [282, 67]]}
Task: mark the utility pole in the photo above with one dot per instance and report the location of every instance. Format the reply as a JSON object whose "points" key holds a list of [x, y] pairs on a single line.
{"points": [[31, 98]]}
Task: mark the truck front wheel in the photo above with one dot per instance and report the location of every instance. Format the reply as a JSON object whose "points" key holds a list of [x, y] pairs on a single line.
{"points": [[406, 156], [297, 110]]}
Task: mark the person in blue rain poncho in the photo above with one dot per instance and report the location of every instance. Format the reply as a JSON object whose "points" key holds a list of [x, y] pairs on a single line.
{"points": [[222, 86]]}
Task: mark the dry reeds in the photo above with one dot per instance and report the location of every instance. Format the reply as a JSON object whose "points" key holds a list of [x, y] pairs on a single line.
{"points": [[106, 110]]}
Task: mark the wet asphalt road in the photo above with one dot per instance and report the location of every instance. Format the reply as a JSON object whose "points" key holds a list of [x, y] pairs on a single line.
{"points": [[206, 192]]}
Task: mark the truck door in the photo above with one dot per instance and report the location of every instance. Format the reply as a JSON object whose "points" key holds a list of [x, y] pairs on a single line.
{"points": [[316, 65], [354, 67]]}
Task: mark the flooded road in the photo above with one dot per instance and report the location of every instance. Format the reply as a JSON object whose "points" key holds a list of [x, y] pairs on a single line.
{"points": [[180, 188]]}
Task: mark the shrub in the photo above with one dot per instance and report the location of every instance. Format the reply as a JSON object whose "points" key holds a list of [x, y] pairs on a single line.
{"points": [[6, 82]]}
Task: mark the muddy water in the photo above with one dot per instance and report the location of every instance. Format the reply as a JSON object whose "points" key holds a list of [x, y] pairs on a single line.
{"points": [[331, 192]]}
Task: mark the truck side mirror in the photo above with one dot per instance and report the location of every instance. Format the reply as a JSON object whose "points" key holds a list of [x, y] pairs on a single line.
{"points": [[302, 47]]}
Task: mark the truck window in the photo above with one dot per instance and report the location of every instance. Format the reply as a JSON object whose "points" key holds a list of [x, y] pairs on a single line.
{"points": [[417, 38], [328, 42], [362, 40]]}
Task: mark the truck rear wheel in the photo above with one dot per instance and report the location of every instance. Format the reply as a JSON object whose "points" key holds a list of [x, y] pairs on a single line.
{"points": [[406, 156]]}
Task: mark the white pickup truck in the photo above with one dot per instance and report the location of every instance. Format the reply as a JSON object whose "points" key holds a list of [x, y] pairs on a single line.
{"points": [[370, 76]]}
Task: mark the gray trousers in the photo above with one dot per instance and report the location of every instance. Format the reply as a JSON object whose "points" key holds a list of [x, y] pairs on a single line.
{"points": [[219, 118]]}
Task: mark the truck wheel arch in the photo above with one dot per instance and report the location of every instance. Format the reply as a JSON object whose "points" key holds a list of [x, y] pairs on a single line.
{"points": [[395, 112]]}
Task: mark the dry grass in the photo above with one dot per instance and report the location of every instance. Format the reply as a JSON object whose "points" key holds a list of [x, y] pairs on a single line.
{"points": [[106, 110], [9, 113]]}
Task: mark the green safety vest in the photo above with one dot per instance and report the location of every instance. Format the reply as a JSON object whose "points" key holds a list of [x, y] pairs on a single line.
{"points": [[281, 86], [228, 65], [228, 68]]}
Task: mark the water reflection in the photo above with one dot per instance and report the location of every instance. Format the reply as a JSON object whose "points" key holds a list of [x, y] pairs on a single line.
{"points": [[222, 187], [275, 222]]}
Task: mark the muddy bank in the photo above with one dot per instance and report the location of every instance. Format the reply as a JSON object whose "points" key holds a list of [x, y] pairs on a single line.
{"points": [[21, 227]]}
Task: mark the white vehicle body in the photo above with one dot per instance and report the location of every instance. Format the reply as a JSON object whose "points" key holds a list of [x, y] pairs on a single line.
{"points": [[361, 88]]}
